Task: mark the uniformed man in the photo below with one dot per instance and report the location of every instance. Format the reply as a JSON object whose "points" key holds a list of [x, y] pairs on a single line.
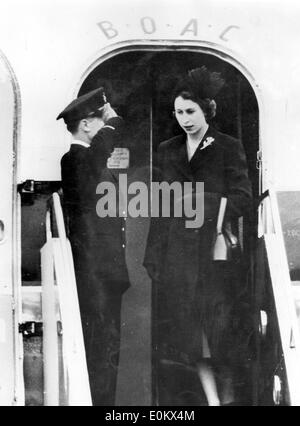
{"points": [[98, 244]]}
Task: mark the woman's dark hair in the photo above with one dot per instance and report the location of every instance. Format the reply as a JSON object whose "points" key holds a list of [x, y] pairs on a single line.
{"points": [[207, 105], [200, 86]]}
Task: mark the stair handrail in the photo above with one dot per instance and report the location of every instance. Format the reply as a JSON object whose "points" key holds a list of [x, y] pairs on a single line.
{"points": [[282, 290], [74, 359]]}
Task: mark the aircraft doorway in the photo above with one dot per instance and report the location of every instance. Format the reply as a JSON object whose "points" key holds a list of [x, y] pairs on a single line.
{"points": [[139, 85]]}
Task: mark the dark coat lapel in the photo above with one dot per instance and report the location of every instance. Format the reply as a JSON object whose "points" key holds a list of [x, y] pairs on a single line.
{"points": [[203, 154], [179, 157]]}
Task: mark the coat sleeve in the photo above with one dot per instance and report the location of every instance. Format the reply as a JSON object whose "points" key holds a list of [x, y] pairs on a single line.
{"points": [[238, 185]]}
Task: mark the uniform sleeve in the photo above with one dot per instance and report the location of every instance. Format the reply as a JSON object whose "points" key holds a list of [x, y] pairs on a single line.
{"points": [[238, 185], [110, 136]]}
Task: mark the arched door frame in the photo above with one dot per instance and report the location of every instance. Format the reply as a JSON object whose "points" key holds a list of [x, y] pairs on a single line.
{"points": [[203, 47], [17, 112]]}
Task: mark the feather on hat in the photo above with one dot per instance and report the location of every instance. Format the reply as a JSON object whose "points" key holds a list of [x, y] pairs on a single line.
{"points": [[204, 83]]}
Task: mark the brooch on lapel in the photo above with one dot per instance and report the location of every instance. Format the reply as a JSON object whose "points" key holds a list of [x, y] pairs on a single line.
{"points": [[208, 141]]}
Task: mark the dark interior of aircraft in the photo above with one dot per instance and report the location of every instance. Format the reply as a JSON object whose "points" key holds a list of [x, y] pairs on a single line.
{"points": [[139, 85]]}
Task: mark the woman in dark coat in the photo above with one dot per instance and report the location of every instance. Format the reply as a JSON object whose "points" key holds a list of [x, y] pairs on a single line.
{"points": [[195, 294]]}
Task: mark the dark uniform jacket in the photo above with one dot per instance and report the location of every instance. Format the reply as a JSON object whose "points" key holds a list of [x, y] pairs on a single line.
{"points": [[98, 244], [180, 259]]}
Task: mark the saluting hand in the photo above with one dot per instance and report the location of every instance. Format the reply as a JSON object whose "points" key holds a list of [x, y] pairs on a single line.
{"points": [[108, 112]]}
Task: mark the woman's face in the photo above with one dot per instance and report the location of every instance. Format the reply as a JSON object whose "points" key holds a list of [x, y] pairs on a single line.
{"points": [[189, 115]]}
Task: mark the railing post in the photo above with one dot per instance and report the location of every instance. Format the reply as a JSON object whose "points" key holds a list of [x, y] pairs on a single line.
{"points": [[50, 338], [57, 257]]}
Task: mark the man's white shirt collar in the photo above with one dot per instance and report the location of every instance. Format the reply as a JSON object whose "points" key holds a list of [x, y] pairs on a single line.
{"points": [[78, 142]]}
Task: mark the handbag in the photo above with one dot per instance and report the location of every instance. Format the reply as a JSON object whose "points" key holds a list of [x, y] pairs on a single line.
{"points": [[226, 244]]}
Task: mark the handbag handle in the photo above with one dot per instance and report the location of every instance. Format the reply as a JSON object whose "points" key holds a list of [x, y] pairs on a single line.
{"points": [[221, 214]]}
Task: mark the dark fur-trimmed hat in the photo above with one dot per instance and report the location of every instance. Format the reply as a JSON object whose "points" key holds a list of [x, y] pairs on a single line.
{"points": [[87, 105], [204, 83]]}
